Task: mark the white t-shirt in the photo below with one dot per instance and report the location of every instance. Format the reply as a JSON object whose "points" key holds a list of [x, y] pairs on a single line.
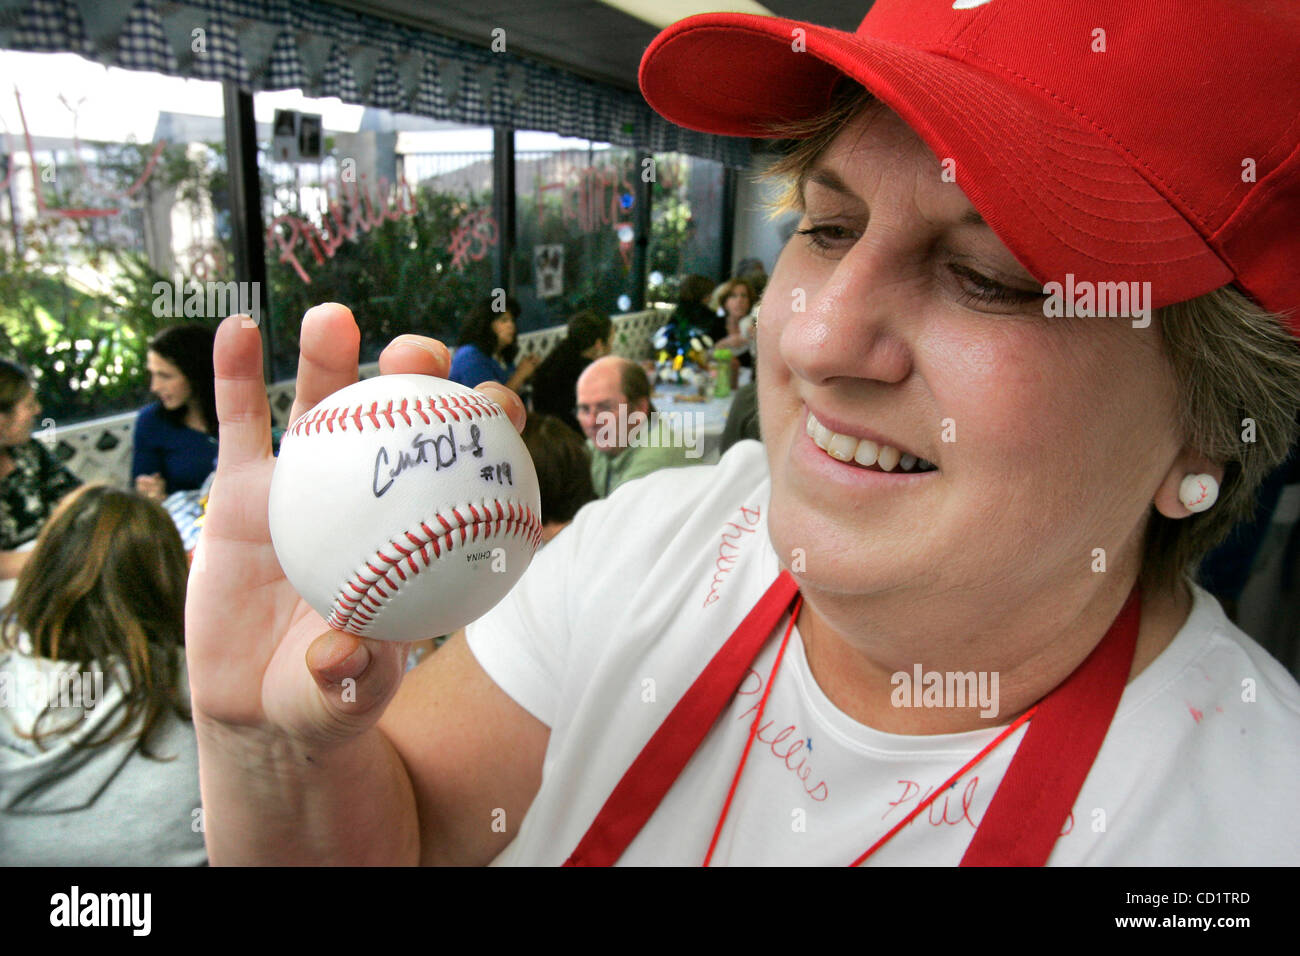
{"points": [[623, 610]]}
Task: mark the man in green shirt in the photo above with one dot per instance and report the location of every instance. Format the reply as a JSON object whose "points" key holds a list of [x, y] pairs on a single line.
{"points": [[627, 438]]}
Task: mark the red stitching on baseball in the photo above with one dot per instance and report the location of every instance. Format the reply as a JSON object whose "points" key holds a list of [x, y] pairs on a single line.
{"points": [[347, 612], [324, 419]]}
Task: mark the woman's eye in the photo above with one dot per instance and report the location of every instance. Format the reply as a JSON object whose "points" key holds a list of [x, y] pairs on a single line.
{"points": [[826, 237], [980, 289]]}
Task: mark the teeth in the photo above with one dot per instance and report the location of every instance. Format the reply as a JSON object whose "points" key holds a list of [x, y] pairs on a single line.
{"points": [[865, 451], [842, 447]]}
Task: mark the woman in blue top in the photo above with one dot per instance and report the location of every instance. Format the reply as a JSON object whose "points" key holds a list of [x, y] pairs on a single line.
{"points": [[176, 437], [487, 348]]}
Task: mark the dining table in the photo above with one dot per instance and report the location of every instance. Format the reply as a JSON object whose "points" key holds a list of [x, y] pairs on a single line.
{"points": [[685, 400]]}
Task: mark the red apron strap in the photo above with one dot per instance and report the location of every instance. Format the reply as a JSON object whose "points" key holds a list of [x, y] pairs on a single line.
{"points": [[657, 767], [1038, 791]]}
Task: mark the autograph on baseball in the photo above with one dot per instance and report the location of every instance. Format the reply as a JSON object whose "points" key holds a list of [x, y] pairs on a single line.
{"points": [[444, 455]]}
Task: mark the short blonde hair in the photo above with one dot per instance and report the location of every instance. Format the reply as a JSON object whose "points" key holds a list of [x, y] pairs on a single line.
{"points": [[1236, 365]]}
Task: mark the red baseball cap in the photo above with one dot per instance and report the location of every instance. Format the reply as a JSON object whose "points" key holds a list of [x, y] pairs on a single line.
{"points": [[1118, 141]]}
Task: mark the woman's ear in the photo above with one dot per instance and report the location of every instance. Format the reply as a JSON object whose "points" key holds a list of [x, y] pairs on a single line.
{"points": [[1169, 500]]}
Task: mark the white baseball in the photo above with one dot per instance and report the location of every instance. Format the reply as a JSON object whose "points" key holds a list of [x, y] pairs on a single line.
{"points": [[404, 507]]}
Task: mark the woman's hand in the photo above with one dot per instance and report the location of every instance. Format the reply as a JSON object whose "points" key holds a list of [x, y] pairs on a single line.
{"points": [[261, 661], [153, 487], [523, 371]]}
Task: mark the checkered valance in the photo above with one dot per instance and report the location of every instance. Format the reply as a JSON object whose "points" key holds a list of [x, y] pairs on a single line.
{"points": [[328, 51]]}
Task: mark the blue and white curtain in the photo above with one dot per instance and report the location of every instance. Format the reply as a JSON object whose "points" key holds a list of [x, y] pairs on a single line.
{"points": [[326, 51]]}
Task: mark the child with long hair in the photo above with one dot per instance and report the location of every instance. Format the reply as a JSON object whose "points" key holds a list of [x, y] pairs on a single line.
{"points": [[98, 764]]}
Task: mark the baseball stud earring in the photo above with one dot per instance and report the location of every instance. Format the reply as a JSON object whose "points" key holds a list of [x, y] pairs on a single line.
{"points": [[1198, 492]]}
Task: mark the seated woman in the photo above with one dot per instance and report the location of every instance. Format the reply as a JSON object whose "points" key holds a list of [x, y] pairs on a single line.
{"points": [[737, 300], [31, 479], [98, 762], [555, 384], [488, 349], [176, 437]]}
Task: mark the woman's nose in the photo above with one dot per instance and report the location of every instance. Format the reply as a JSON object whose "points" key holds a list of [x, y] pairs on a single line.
{"points": [[851, 322]]}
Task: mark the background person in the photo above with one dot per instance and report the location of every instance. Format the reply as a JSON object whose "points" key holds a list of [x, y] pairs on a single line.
{"points": [[613, 395], [32, 480], [175, 443], [742, 417], [737, 301], [588, 338], [754, 271], [110, 780], [563, 465], [693, 312], [487, 348]]}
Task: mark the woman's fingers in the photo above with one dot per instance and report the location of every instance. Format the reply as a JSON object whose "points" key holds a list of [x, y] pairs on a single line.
{"points": [[508, 400], [328, 348], [415, 355], [243, 415]]}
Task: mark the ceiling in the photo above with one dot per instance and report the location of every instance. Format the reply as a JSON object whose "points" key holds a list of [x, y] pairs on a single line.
{"points": [[585, 37]]}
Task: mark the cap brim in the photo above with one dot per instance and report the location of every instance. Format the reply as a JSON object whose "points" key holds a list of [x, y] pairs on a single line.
{"points": [[1061, 197]]}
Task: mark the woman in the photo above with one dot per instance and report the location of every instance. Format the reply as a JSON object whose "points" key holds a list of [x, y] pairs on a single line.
{"points": [[555, 383], [977, 507], [175, 443], [98, 764], [488, 348], [737, 300], [32, 481]]}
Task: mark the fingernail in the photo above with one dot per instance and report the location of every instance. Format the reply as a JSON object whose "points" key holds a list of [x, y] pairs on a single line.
{"points": [[353, 665], [356, 662], [497, 393], [432, 346]]}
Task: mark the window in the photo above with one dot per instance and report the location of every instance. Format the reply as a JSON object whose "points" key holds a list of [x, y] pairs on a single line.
{"points": [[114, 198], [389, 214], [574, 226], [685, 223]]}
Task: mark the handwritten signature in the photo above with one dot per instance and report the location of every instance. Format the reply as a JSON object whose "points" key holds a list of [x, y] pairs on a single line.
{"points": [[444, 454]]}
